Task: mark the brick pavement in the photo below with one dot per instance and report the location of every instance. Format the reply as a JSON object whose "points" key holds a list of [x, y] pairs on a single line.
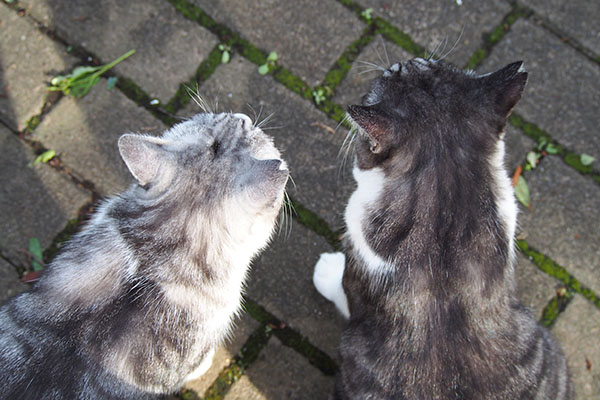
{"points": [[284, 346]]}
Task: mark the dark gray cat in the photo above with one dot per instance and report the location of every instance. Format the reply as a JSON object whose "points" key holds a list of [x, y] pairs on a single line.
{"points": [[137, 302], [429, 285]]}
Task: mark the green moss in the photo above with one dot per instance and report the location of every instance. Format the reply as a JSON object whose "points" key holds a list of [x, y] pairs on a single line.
{"points": [[556, 306], [494, 37], [246, 356], [32, 123], [574, 160], [315, 223], [203, 72], [556, 271], [476, 59], [395, 35], [344, 62], [290, 338], [63, 236], [292, 82], [135, 93]]}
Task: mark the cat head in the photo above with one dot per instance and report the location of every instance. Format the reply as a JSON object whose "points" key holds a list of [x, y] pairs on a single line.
{"points": [[422, 109], [210, 161]]}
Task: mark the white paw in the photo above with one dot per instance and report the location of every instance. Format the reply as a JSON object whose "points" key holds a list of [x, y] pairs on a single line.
{"points": [[327, 278], [202, 368]]}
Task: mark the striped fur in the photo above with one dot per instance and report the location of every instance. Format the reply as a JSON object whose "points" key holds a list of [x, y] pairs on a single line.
{"points": [[139, 299], [428, 273]]}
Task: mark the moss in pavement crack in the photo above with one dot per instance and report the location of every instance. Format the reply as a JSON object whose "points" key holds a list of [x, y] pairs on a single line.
{"points": [[290, 338], [492, 38], [315, 223], [557, 271], [540, 136], [245, 357], [556, 306]]}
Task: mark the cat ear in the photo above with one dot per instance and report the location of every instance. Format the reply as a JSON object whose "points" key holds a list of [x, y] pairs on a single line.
{"points": [[375, 123], [507, 85], [143, 155]]}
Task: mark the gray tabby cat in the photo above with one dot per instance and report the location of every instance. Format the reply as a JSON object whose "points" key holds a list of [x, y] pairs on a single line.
{"points": [[428, 279], [137, 302]]}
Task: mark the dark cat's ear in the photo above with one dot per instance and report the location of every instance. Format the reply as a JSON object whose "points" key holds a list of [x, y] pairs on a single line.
{"points": [[506, 85], [143, 155], [376, 124]]}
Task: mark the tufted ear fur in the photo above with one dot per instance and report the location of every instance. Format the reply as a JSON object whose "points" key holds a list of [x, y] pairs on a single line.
{"points": [[143, 155], [506, 86], [375, 123]]}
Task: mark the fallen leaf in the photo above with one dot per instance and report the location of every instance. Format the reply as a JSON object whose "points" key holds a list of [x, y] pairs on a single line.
{"points": [[516, 175], [522, 192], [323, 126]]}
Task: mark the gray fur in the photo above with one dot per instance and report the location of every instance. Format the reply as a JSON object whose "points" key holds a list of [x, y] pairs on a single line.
{"points": [[137, 300], [429, 275]]}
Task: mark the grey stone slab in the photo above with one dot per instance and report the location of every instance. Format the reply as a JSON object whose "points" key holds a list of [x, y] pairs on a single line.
{"points": [[454, 30], [281, 281], [244, 326], [577, 18], [516, 147], [535, 288], [357, 82], [578, 330], [563, 91], [281, 373], [28, 60], [35, 201], [84, 132], [308, 36], [563, 220], [9, 282], [297, 129], [168, 46]]}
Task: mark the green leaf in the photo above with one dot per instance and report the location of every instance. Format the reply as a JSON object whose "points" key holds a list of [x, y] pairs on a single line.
{"points": [[272, 57], [81, 79], [367, 14], [532, 158], [35, 249], [263, 69], [111, 82], [551, 148], [225, 57], [586, 159], [522, 192], [44, 157]]}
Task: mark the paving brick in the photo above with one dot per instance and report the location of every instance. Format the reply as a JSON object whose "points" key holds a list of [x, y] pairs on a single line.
{"points": [[535, 288], [457, 30], [308, 36], [578, 330], [84, 132], [28, 60], [563, 220], [357, 82], [36, 201], [244, 326], [516, 147], [281, 281], [577, 18], [9, 282], [168, 46], [310, 150], [281, 373], [563, 90]]}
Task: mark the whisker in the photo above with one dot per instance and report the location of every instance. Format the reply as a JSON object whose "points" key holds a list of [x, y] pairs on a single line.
{"points": [[455, 43], [385, 52], [376, 66]]}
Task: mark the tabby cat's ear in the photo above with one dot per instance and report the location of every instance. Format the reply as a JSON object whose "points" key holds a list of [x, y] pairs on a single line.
{"points": [[506, 85], [376, 124], [143, 155]]}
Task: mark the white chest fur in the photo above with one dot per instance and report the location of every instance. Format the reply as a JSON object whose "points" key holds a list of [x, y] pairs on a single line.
{"points": [[370, 186]]}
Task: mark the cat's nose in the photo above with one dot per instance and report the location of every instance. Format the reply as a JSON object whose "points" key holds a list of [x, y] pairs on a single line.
{"points": [[244, 117]]}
